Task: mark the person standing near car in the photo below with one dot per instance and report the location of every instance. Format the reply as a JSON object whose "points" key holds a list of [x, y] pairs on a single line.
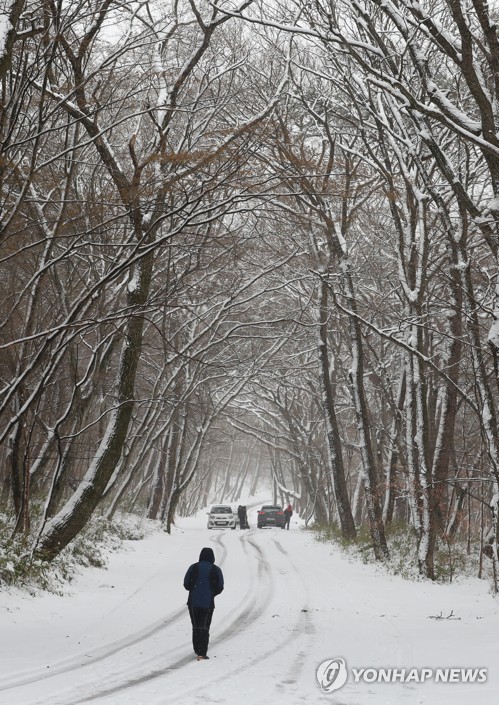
{"points": [[288, 513], [241, 513], [204, 580], [243, 518]]}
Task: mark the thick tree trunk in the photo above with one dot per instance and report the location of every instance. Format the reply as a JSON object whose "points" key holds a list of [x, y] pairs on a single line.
{"points": [[394, 455], [16, 468], [369, 471], [20, 481], [172, 508], [345, 516], [173, 461], [426, 547], [157, 489], [63, 527]]}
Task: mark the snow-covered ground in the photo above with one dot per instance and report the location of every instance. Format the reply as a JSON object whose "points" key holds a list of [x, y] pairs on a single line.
{"points": [[122, 635]]}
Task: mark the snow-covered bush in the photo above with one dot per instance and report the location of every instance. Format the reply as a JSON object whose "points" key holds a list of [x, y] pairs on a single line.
{"points": [[90, 549], [453, 559]]}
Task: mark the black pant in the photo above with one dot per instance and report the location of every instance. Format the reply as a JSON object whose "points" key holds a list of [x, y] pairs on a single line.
{"points": [[201, 620]]}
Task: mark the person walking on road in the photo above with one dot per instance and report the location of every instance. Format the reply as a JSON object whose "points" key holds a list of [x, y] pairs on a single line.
{"points": [[204, 580], [288, 513]]}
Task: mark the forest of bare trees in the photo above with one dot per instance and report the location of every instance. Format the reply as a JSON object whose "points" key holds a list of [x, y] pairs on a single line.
{"points": [[248, 244]]}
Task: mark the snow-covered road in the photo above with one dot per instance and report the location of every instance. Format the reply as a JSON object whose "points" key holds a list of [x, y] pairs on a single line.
{"points": [[123, 634]]}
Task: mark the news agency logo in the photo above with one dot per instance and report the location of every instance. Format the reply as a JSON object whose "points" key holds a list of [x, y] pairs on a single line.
{"points": [[332, 675]]}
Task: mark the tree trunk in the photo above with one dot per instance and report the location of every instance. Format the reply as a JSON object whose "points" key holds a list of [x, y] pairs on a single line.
{"points": [[394, 454], [345, 516], [369, 472], [62, 528]]}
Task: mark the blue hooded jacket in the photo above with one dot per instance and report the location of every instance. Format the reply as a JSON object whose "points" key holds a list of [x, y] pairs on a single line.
{"points": [[204, 580]]}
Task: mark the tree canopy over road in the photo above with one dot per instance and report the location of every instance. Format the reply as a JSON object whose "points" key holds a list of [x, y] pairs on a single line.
{"points": [[242, 241]]}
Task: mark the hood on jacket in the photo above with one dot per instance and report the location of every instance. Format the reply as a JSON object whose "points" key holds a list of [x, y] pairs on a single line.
{"points": [[207, 555]]}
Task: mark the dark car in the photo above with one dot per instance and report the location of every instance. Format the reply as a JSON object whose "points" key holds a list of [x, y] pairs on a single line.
{"points": [[270, 515]]}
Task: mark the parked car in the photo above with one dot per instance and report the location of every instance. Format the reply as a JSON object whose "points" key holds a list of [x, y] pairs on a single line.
{"points": [[221, 516], [270, 515]]}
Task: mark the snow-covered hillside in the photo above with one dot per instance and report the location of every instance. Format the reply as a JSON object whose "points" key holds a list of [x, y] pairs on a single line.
{"points": [[122, 636]]}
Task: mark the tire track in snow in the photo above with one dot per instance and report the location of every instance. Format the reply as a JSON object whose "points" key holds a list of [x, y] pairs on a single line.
{"points": [[303, 624], [255, 602], [99, 654], [252, 605], [93, 656]]}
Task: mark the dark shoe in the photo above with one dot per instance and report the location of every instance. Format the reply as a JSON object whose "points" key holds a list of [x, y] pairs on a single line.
{"points": [[203, 658]]}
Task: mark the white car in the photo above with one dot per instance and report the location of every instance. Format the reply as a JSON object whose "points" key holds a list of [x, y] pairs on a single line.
{"points": [[221, 516]]}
